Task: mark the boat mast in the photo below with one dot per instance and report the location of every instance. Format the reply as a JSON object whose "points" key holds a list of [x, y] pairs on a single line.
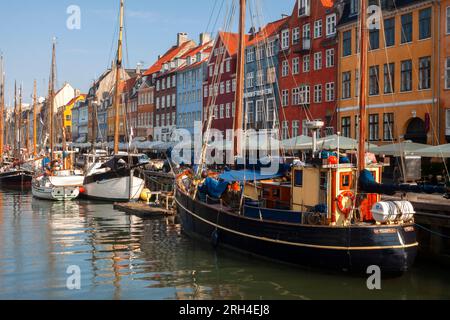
{"points": [[51, 97], [15, 119], [20, 119], [2, 108], [117, 93], [363, 87], [238, 119], [34, 119]]}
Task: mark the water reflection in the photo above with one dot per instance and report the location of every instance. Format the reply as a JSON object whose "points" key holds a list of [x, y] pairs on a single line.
{"points": [[125, 257]]}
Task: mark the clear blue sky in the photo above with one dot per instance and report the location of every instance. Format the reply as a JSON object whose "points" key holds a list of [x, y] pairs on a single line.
{"points": [[28, 26]]}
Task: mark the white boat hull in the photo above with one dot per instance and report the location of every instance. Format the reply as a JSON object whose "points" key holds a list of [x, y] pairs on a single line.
{"points": [[55, 193], [115, 189]]}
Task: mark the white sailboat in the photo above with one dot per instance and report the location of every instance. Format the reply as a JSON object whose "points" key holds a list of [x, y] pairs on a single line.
{"points": [[60, 185], [116, 179]]}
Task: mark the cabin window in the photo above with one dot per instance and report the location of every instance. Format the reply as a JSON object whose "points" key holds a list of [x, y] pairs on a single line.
{"points": [[298, 178], [346, 181]]}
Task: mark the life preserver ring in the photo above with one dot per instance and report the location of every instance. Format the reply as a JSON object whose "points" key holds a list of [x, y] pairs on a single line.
{"points": [[340, 202]]}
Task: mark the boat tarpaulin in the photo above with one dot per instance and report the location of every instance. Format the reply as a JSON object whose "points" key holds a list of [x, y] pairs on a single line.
{"points": [[247, 175], [213, 188]]}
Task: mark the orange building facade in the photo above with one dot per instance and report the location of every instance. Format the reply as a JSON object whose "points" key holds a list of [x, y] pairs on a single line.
{"points": [[401, 77]]}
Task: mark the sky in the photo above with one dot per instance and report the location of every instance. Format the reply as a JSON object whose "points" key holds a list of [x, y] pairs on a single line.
{"points": [[27, 28]]}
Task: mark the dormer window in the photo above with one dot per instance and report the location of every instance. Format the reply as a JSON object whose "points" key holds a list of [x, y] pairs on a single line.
{"points": [[304, 8]]}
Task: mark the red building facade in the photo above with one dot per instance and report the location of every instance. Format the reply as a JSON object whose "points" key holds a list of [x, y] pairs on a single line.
{"points": [[308, 68], [220, 85]]}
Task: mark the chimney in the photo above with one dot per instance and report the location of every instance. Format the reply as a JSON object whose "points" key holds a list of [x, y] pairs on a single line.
{"points": [[204, 38], [138, 68], [182, 37]]}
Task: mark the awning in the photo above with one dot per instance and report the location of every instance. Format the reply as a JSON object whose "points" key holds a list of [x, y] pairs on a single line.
{"points": [[399, 149], [442, 151]]}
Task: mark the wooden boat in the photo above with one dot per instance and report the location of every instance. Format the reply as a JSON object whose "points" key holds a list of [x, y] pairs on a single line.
{"points": [[64, 186], [117, 179], [333, 216]]}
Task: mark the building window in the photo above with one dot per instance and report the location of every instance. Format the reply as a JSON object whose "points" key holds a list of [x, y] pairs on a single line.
{"points": [[331, 25], [260, 111], [389, 32], [285, 39], [374, 39], [260, 52], [447, 73], [388, 127], [271, 75], [285, 68], [285, 98], [374, 86], [296, 36], [317, 60], [306, 63], [389, 78], [346, 85], [345, 126], [373, 127], [318, 93], [250, 80], [228, 66], [295, 128], [305, 95], [295, 96], [306, 32], [425, 23], [329, 95], [285, 131], [424, 73], [250, 55], [303, 8], [347, 43], [270, 109], [354, 7], [259, 78], [317, 29], [406, 76], [448, 20], [329, 58], [228, 111], [221, 113], [295, 66], [271, 48], [407, 28]]}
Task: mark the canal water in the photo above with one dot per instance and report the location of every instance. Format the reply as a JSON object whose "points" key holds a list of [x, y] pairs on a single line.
{"points": [[124, 257]]}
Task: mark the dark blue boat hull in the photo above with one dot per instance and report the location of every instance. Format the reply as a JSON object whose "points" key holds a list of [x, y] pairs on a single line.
{"points": [[353, 248]]}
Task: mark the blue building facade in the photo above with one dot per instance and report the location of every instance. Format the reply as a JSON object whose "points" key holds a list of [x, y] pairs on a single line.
{"points": [[190, 87]]}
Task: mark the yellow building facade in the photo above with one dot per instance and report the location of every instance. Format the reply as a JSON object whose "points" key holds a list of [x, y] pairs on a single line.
{"points": [[68, 114], [401, 76]]}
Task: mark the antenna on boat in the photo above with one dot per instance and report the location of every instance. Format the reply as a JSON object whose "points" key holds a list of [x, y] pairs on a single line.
{"points": [[314, 126], [117, 93]]}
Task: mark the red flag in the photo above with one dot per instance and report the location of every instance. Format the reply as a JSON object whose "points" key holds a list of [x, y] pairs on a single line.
{"points": [[327, 3]]}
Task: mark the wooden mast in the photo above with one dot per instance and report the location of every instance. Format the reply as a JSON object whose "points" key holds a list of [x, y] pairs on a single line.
{"points": [[2, 108], [34, 120], [15, 119], [20, 119], [362, 87], [117, 92], [51, 97], [238, 119]]}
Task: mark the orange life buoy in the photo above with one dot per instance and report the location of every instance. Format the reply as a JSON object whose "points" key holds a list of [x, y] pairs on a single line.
{"points": [[340, 202]]}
